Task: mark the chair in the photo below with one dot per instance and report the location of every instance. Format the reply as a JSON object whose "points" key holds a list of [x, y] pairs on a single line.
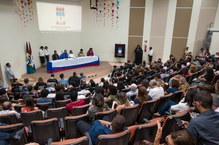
{"points": [[110, 115], [86, 99], [177, 96], [61, 103], [162, 101], [27, 117], [173, 123], [10, 118], [121, 138], [147, 110], [71, 130], [189, 79], [76, 141], [130, 114], [146, 131], [12, 129], [42, 130], [44, 106], [18, 108], [60, 112], [78, 110]]}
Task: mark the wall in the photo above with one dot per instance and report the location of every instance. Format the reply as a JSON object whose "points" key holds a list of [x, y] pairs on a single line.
{"points": [[103, 38], [13, 37]]}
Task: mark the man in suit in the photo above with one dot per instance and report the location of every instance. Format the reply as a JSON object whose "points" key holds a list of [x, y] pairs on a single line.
{"points": [[55, 56]]}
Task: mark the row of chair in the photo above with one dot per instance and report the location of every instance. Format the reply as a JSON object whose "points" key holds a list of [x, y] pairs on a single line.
{"points": [[44, 130]]}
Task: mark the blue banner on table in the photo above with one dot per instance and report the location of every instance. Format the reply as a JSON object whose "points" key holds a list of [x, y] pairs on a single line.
{"points": [[120, 50]]}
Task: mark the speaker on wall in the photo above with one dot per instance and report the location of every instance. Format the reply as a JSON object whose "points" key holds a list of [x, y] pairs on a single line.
{"points": [[120, 50]]}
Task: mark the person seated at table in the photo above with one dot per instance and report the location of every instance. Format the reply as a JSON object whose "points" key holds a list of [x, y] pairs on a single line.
{"points": [[74, 101], [44, 99], [55, 56], [29, 104], [71, 54], [90, 52], [81, 53], [64, 55]]}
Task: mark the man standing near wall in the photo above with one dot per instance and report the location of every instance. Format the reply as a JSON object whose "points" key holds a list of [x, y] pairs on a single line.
{"points": [[150, 54], [9, 73]]}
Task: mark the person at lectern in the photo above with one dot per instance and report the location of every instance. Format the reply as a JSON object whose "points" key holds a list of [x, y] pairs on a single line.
{"points": [[81, 53], [90, 52], [64, 55], [55, 56], [138, 55]]}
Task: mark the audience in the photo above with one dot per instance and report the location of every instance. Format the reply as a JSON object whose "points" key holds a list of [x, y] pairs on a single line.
{"points": [[7, 109], [156, 91], [44, 99], [121, 101], [74, 101], [29, 105]]}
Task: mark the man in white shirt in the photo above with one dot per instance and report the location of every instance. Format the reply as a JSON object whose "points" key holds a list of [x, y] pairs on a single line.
{"points": [[150, 55], [9, 73], [42, 56], [46, 51], [6, 109], [155, 91]]}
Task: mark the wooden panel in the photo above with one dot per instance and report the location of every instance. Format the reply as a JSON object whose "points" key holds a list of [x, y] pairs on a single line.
{"points": [[138, 3], [184, 3], [136, 22], [178, 47], [133, 42], [158, 46], [209, 3], [182, 22]]}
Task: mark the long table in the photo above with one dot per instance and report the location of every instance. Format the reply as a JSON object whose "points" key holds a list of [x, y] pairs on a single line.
{"points": [[71, 63]]}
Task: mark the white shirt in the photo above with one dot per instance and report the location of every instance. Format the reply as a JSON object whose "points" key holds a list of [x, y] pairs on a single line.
{"points": [[42, 53], [217, 110], [9, 73], [10, 111], [46, 52], [156, 92], [83, 92], [71, 55], [151, 52]]}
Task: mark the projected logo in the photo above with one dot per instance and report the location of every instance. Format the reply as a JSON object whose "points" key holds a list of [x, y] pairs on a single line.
{"points": [[60, 16]]}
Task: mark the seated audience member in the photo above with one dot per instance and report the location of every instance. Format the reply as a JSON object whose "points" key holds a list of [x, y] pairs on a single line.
{"points": [[163, 73], [7, 109], [52, 79], [216, 103], [91, 83], [74, 80], [85, 92], [204, 127], [133, 91], [208, 76], [155, 92], [185, 72], [81, 53], [71, 54], [174, 86], [50, 87], [55, 56], [100, 127], [82, 77], [192, 69], [44, 99], [74, 101], [26, 82], [97, 105], [90, 52], [159, 80], [183, 105], [102, 80], [112, 91], [64, 55], [15, 85], [59, 93], [121, 101], [142, 96], [181, 137], [62, 80], [41, 83], [29, 105]]}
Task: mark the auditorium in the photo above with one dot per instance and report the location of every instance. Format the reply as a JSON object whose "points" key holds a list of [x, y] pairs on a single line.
{"points": [[105, 72]]}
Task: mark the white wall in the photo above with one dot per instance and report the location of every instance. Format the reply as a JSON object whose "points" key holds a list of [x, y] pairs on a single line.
{"points": [[103, 38], [13, 37]]}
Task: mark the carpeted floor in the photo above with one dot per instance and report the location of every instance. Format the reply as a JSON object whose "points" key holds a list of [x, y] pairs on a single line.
{"points": [[94, 72]]}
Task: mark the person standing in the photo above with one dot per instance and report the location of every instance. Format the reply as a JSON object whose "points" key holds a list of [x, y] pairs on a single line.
{"points": [[55, 56], [138, 55], [42, 56], [46, 51], [90, 52], [150, 55], [9, 73]]}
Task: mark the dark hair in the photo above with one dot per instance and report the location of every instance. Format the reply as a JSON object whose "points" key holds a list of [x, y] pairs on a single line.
{"points": [[99, 90], [98, 100], [29, 101], [30, 88], [189, 97], [175, 83], [61, 75], [7, 64], [113, 90], [44, 93], [73, 95], [58, 88], [26, 80], [182, 137], [52, 75], [205, 98], [118, 123], [74, 73]]}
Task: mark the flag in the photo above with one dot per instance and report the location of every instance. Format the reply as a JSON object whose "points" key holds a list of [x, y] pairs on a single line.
{"points": [[30, 62]]}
